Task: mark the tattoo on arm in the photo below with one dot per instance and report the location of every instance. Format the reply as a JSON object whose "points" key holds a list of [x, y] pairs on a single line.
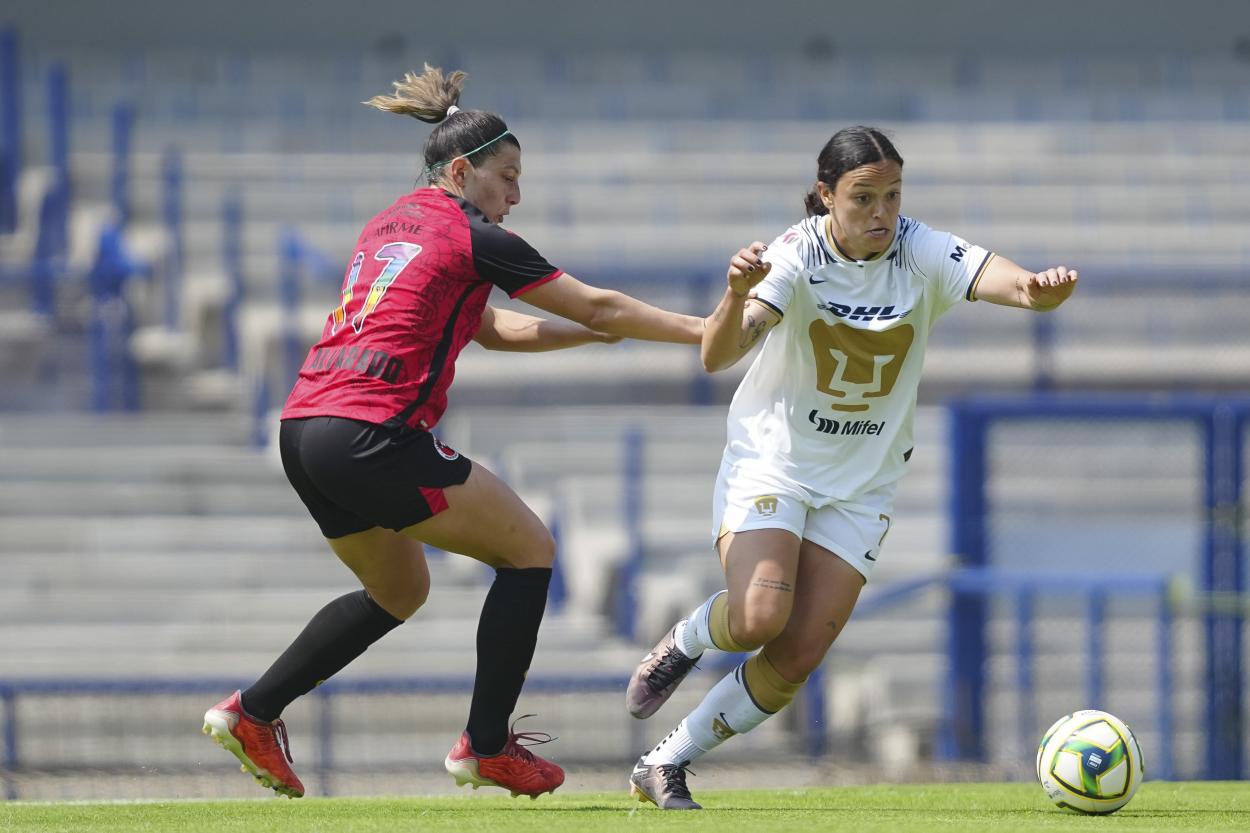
{"points": [[1022, 295], [773, 584], [832, 625], [752, 331]]}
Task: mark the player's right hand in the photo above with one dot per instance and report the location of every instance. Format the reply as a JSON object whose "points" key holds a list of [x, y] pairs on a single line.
{"points": [[747, 268]]}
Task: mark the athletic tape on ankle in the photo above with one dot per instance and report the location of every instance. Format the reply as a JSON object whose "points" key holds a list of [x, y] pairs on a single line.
{"points": [[770, 691], [718, 625]]}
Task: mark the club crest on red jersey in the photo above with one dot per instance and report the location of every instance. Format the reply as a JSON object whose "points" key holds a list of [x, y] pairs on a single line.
{"points": [[445, 451]]}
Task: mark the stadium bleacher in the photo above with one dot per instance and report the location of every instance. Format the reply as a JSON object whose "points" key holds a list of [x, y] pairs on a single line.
{"points": [[168, 545]]}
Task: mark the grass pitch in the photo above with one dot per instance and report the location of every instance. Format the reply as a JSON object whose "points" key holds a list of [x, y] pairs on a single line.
{"points": [[1159, 806]]}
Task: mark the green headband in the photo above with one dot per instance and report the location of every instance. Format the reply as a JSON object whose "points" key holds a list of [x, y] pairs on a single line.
{"points": [[430, 169]]}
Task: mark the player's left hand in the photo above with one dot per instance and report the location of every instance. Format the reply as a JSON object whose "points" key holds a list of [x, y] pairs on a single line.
{"points": [[1052, 287]]}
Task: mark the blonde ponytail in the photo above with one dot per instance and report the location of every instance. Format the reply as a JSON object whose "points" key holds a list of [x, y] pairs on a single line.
{"points": [[427, 96]]}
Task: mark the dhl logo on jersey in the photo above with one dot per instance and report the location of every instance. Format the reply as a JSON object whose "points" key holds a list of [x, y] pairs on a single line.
{"points": [[861, 313]]}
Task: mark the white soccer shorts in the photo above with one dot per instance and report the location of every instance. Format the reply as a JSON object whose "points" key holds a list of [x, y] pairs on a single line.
{"points": [[852, 530]]}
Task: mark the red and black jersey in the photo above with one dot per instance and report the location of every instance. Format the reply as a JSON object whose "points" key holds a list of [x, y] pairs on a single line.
{"points": [[412, 299]]}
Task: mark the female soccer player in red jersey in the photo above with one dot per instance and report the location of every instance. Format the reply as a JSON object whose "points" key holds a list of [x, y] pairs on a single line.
{"points": [[356, 443]]}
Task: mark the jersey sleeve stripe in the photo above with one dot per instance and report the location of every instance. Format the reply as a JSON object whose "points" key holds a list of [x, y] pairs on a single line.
{"points": [[557, 273], [780, 312], [971, 294], [439, 359]]}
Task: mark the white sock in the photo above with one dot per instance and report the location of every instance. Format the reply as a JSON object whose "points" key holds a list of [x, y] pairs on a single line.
{"points": [[685, 642], [677, 748], [696, 637], [727, 710]]}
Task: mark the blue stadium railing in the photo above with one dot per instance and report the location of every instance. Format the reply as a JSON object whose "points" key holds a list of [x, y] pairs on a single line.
{"points": [[13, 691], [1221, 424], [814, 732], [1023, 589], [10, 128]]}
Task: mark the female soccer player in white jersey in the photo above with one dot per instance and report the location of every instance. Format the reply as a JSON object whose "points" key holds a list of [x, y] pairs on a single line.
{"points": [[819, 433]]}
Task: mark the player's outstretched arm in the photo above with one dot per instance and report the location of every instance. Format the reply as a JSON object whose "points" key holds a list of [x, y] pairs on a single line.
{"points": [[739, 321], [505, 329], [1011, 285], [612, 313]]}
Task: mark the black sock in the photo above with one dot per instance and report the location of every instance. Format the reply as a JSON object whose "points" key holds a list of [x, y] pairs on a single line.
{"points": [[340, 632], [506, 635]]}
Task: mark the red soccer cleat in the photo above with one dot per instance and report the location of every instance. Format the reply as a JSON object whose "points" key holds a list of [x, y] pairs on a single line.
{"points": [[516, 769], [262, 747]]}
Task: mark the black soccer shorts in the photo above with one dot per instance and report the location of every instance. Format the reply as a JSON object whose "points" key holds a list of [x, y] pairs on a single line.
{"points": [[356, 475]]}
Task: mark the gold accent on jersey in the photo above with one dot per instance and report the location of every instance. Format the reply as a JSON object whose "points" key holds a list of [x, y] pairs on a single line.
{"points": [[886, 518], [976, 279], [853, 365], [766, 505], [721, 729], [827, 225]]}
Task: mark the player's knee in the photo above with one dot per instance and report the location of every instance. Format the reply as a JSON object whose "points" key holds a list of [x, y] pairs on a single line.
{"points": [[401, 599], [536, 549], [758, 625], [797, 663]]}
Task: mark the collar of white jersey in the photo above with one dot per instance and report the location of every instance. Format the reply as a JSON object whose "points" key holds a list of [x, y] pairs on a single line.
{"points": [[831, 243]]}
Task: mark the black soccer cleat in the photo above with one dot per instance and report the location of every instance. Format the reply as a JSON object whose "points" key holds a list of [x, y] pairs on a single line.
{"points": [[664, 785]]}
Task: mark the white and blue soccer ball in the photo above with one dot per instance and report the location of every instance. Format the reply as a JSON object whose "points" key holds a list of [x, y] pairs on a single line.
{"points": [[1089, 761]]}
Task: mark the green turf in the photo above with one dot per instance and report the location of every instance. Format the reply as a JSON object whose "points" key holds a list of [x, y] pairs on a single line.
{"points": [[1158, 806]]}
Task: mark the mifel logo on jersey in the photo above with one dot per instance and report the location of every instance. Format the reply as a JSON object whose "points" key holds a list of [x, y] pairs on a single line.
{"points": [[766, 505]]}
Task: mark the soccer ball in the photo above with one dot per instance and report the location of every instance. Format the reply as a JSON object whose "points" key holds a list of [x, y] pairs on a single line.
{"points": [[1089, 761]]}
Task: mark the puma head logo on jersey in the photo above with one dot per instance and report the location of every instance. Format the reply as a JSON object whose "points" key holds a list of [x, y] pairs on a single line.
{"points": [[766, 505], [857, 313]]}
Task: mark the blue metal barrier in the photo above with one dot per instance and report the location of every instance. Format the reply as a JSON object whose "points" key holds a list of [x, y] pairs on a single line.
{"points": [[123, 138], [557, 591], [58, 121], [10, 128], [1024, 588], [292, 262], [1221, 424], [290, 289], [8, 707], [171, 217], [232, 261], [52, 239], [1021, 586], [324, 695], [114, 373], [51, 253], [626, 602]]}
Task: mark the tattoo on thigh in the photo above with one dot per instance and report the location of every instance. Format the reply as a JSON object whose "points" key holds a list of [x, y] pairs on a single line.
{"points": [[772, 584], [833, 625]]}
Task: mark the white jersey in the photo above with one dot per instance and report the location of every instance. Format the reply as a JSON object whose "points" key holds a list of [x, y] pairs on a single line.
{"points": [[827, 406]]}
